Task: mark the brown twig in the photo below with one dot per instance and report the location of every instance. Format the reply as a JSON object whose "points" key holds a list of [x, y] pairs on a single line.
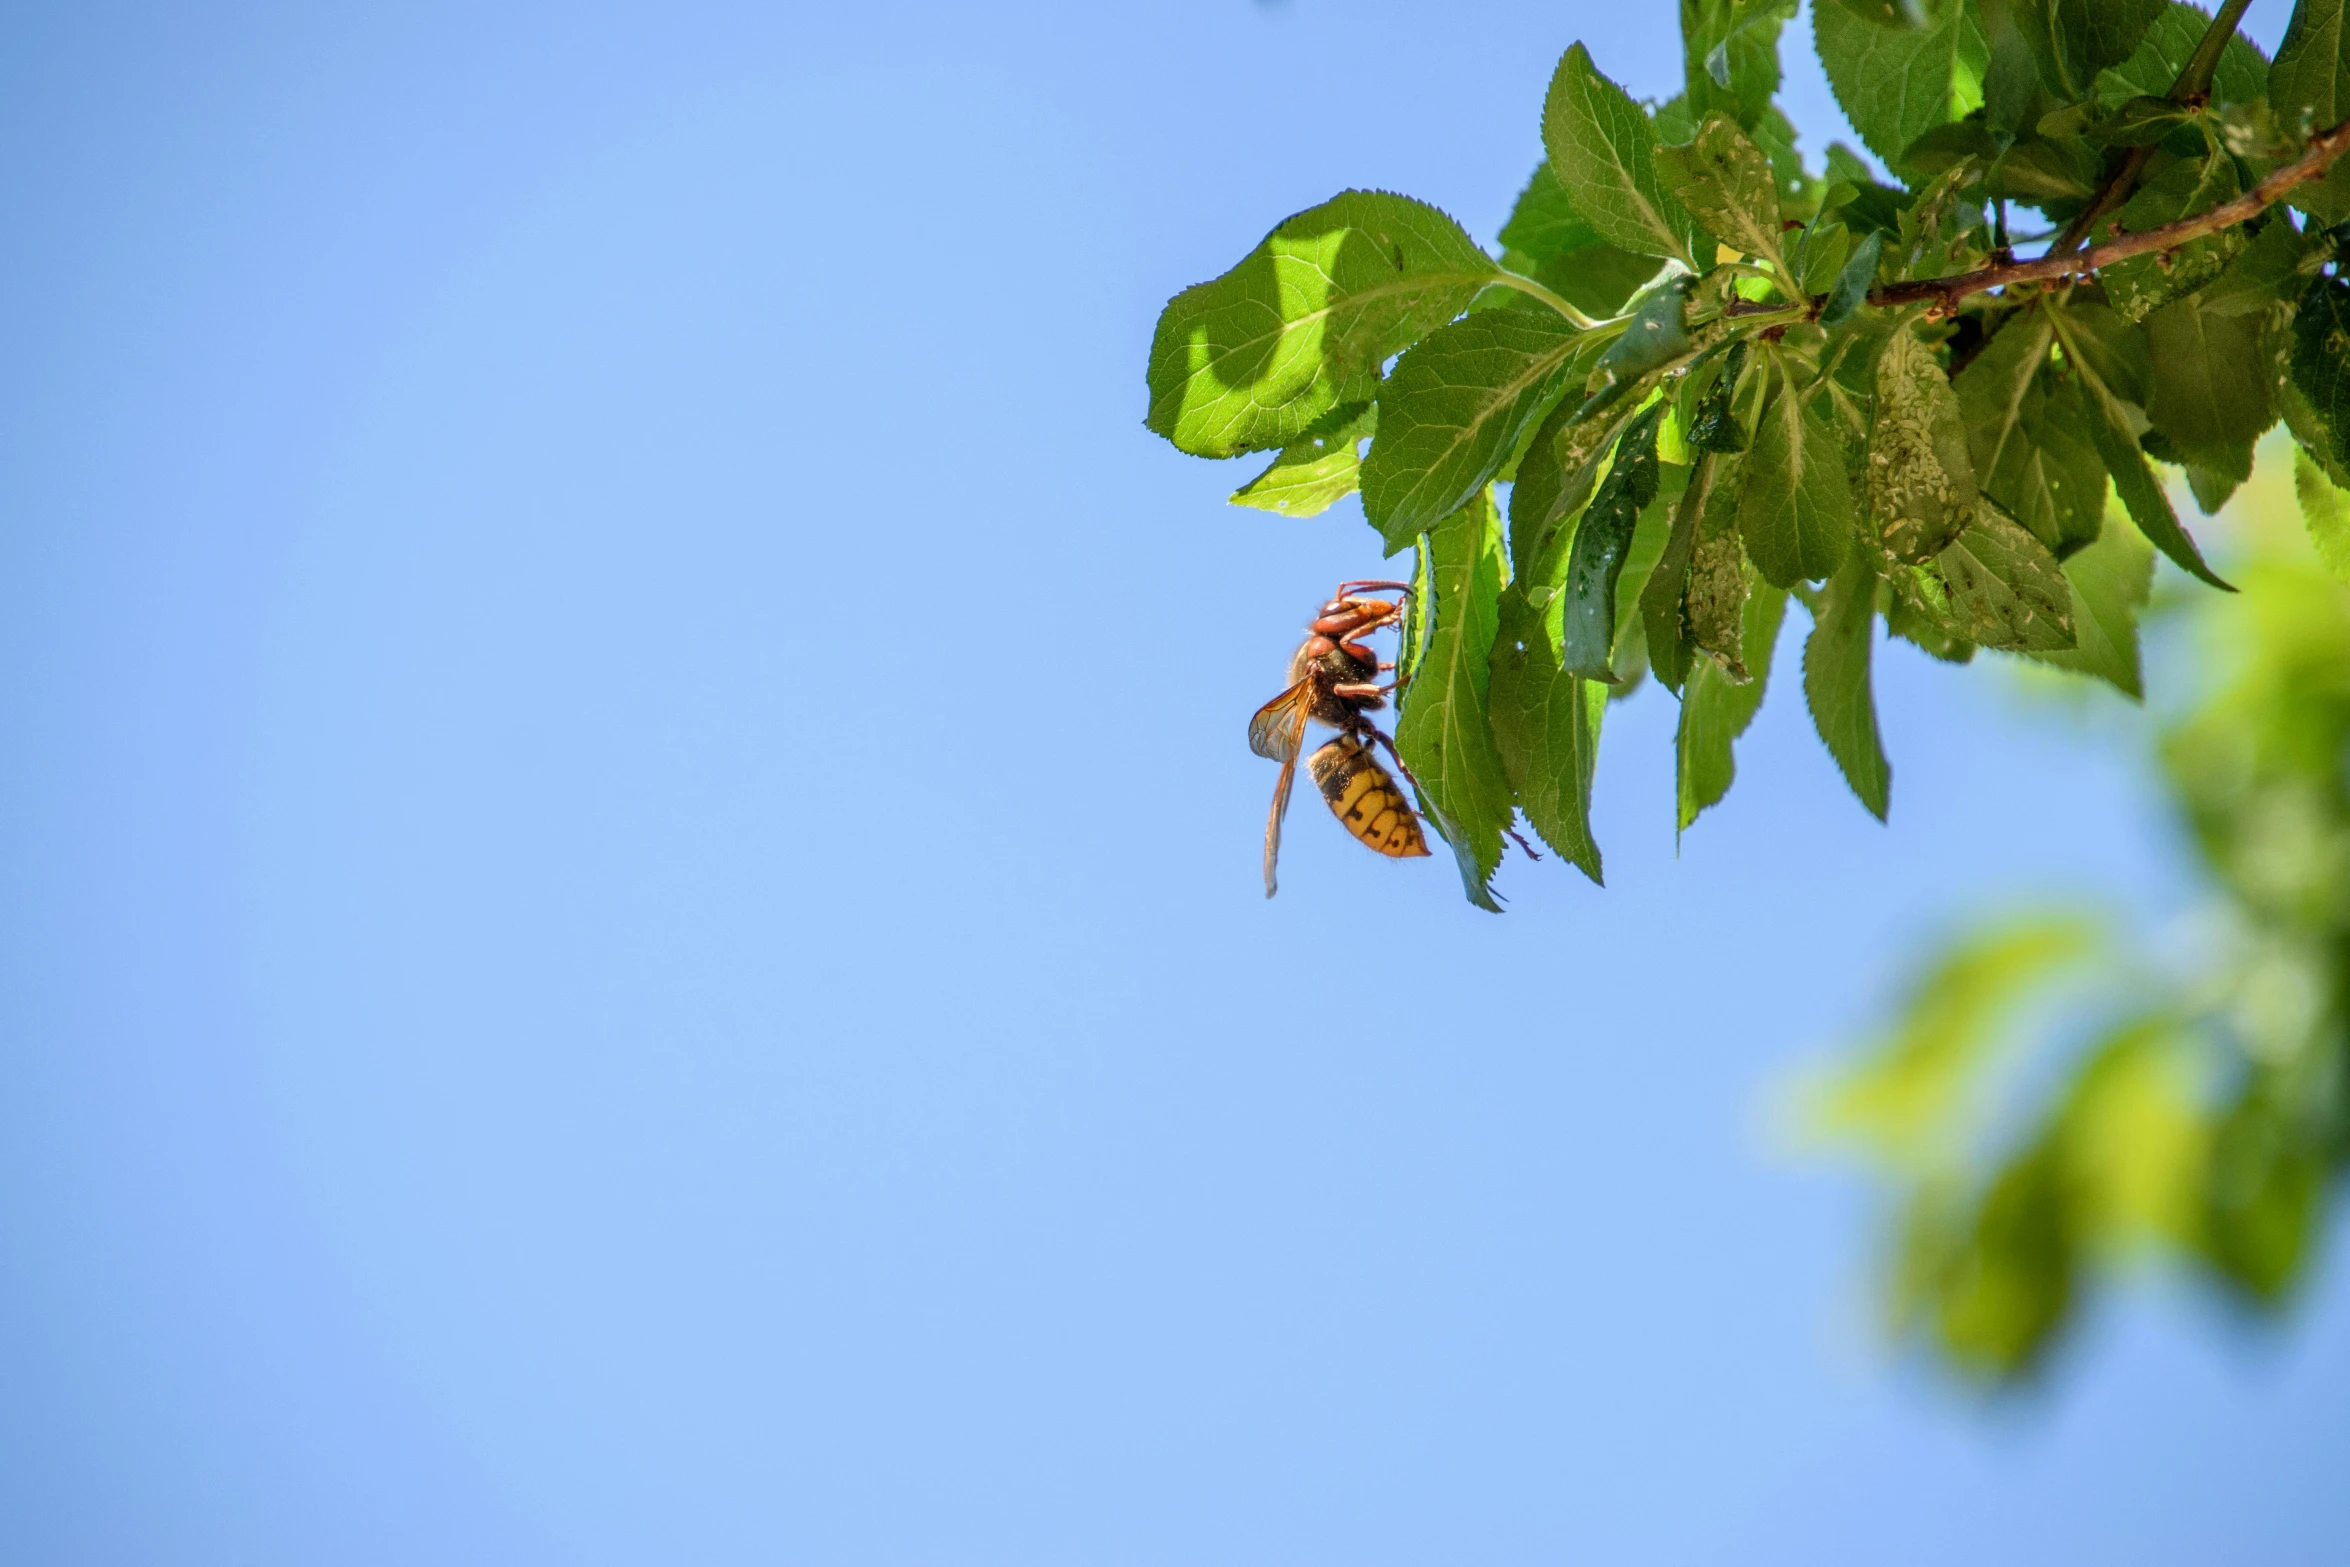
{"points": [[2323, 150], [1948, 291]]}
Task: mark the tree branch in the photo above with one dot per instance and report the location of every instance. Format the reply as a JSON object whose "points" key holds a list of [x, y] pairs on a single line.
{"points": [[2322, 152]]}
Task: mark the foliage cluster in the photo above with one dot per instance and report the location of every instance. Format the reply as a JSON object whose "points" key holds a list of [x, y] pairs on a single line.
{"points": [[2198, 1107], [1703, 378]]}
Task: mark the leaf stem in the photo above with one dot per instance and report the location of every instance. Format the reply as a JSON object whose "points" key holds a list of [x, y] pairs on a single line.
{"points": [[2192, 86], [2195, 79], [1534, 290]]}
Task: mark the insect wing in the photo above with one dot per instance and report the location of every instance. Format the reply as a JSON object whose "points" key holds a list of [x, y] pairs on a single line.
{"points": [[1280, 725], [1366, 800], [1273, 821]]}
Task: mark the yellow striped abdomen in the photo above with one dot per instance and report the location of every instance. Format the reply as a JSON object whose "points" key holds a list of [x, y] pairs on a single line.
{"points": [[1365, 799]]}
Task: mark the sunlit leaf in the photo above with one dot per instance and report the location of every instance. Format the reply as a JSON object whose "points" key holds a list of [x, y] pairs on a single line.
{"points": [[1249, 361], [1319, 469]]}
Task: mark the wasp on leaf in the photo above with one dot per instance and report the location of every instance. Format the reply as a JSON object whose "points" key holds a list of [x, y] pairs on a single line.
{"points": [[1334, 679]]}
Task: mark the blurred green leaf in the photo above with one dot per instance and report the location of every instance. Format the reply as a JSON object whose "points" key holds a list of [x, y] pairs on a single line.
{"points": [[1913, 1098]]}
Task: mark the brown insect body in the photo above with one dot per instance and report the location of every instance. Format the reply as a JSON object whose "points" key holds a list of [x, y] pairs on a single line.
{"points": [[1334, 679]]}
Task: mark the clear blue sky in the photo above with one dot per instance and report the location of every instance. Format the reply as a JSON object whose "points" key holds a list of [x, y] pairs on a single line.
{"points": [[631, 912]]}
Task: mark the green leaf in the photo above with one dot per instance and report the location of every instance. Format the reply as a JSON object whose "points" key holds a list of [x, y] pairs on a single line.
{"points": [[1716, 707], [1714, 601], [2309, 85], [1411, 642], [1996, 585], [2214, 378], [2026, 432], [2163, 53], [2005, 1281], [1250, 360], [1894, 83], [2265, 1183], [2111, 580], [1795, 509], [2072, 40], [1455, 408], [2006, 588], [1546, 725], [1872, 207], [1820, 258], [1731, 50], [1317, 470], [2132, 1135], [2213, 472], [1725, 180], [1628, 663], [1604, 152], [1544, 224], [2139, 284], [1854, 281], [1655, 337], [2321, 361], [1444, 734], [2326, 511], [2310, 435], [1921, 479], [2100, 346], [1587, 632], [1916, 1097], [1713, 426], [2269, 272], [1556, 474], [1662, 596], [1548, 240], [1836, 681]]}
